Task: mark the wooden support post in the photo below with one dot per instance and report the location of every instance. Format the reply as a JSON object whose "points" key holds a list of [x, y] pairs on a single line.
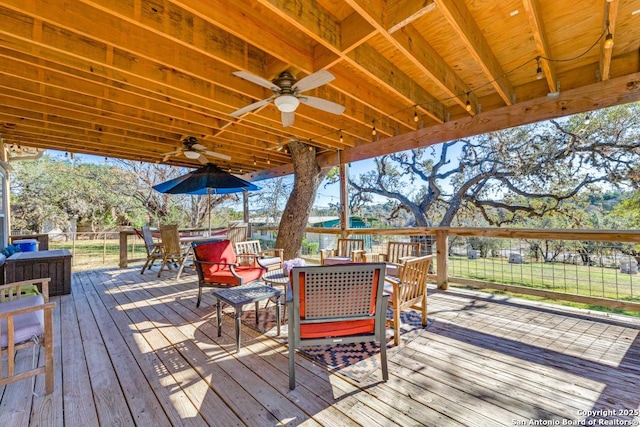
{"points": [[344, 201], [442, 246], [123, 249]]}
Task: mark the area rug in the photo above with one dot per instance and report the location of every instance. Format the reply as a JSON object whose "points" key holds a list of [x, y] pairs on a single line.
{"points": [[356, 361]]}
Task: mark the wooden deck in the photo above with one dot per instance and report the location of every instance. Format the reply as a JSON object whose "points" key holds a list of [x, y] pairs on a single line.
{"points": [[133, 350]]}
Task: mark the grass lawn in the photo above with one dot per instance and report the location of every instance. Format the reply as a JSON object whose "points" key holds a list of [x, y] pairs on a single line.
{"points": [[556, 276]]}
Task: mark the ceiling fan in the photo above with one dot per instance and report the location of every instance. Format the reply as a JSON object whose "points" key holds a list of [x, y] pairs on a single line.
{"points": [[192, 150], [286, 94]]}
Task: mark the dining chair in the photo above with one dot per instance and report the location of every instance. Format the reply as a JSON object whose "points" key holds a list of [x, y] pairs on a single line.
{"points": [[173, 252], [154, 249], [218, 266], [397, 252], [336, 304], [408, 290], [271, 259], [26, 320], [238, 231], [346, 251]]}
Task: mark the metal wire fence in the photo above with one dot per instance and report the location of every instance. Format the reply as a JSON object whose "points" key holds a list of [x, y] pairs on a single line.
{"points": [[591, 268]]}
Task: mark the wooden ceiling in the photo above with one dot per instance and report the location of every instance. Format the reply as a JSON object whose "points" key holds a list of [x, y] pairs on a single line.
{"points": [[131, 78]]}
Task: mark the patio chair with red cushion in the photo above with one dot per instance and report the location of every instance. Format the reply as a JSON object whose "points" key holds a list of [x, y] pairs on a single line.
{"points": [[219, 267], [336, 304]]}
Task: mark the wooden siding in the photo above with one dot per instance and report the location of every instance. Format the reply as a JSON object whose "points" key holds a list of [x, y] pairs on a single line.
{"points": [[131, 349]]}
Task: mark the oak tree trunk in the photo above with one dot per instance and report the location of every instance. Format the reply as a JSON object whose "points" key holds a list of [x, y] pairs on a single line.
{"points": [[295, 217]]}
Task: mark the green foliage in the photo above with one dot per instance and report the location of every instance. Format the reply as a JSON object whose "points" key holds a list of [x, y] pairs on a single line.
{"points": [[309, 248], [55, 191], [516, 174]]}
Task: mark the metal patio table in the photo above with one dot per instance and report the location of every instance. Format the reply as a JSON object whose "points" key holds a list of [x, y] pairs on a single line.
{"points": [[239, 296]]}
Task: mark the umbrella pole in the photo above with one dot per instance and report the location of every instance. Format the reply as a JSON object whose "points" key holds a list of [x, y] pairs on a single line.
{"points": [[209, 208]]}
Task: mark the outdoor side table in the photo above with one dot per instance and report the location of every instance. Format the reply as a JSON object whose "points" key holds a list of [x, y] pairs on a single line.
{"points": [[241, 295]]}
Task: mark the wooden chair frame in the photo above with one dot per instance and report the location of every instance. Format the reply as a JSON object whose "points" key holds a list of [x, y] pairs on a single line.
{"points": [[238, 232], [172, 250], [338, 299], [271, 259], [409, 290], [154, 249], [345, 248], [9, 320]]}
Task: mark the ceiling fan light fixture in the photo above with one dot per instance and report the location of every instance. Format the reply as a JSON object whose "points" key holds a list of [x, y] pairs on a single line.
{"points": [[287, 103], [191, 154]]}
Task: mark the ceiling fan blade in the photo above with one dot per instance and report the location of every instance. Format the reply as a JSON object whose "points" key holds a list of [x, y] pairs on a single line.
{"points": [[257, 80], [218, 155], [198, 147], [172, 153], [288, 118], [322, 104], [250, 107], [202, 159], [312, 81]]}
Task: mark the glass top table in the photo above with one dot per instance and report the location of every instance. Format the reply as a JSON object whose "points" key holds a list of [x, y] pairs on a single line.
{"points": [[238, 296]]}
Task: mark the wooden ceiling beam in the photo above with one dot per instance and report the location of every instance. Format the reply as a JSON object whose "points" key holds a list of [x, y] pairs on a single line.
{"points": [[237, 16], [158, 52], [460, 19], [610, 16], [617, 91], [318, 23], [416, 49], [400, 13], [534, 15], [390, 76], [170, 106]]}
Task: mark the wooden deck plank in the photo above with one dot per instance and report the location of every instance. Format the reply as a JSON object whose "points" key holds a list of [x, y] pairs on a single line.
{"points": [[47, 409], [178, 407], [15, 407], [141, 400], [111, 404], [346, 395], [77, 396], [236, 385], [211, 408], [485, 360]]}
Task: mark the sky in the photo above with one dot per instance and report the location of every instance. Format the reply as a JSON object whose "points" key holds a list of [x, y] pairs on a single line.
{"points": [[326, 195]]}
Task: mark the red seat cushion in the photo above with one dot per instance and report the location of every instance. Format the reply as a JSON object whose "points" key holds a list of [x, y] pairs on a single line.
{"points": [[248, 274], [222, 251], [337, 329]]}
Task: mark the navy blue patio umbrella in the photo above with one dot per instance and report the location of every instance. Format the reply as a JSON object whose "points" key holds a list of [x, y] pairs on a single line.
{"points": [[206, 180]]}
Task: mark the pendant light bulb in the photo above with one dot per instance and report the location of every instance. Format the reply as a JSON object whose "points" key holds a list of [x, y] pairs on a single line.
{"points": [[341, 137], [373, 129], [608, 41], [539, 74], [415, 115]]}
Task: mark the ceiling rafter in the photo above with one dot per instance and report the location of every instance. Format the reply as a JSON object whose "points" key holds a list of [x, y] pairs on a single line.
{"points": [[609, 23], [323, 27], [534, 14], [465, 27], [162, 51], [133, 78], [416, 49]]}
